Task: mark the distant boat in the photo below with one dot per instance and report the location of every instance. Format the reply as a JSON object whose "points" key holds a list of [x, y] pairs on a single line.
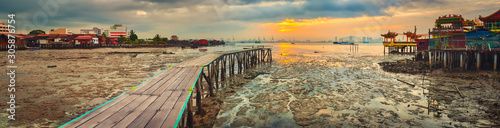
{"points": [[293, 43], [366, 42], [344, 43], [257, 41], [336, 42], [242, 41]]}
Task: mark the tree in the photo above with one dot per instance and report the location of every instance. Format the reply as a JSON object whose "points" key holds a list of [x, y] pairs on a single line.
{"points": [[36, 32], [133, 36], [104, 34], [122, 39], [438, 25], [156, 39]]}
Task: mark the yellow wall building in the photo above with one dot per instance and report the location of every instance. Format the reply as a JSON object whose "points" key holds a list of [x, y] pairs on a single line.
{"points": [[59, 31]]}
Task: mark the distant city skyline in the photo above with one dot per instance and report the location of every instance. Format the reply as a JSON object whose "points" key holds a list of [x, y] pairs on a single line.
{"points": [[314, 20]]}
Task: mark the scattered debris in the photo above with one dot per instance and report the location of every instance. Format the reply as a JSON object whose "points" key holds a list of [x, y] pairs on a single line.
{"points": [[405, 82], [459, 92]]}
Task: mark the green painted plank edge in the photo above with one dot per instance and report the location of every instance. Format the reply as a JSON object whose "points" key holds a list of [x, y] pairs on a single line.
{"points": [[189, 96]]}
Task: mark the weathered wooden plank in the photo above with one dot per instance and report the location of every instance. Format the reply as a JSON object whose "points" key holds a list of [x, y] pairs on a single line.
{"points": [[98, 111], [168, 108], [152, 109], [192, 79], [161, 86], [150, 84], [102, 116], [136, 112], [176, 109], [153, 116], [202, 60], [122, 113], [171, 85]]}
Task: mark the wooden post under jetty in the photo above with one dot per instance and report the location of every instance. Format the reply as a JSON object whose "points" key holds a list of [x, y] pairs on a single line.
{"points": [[463, 59]]}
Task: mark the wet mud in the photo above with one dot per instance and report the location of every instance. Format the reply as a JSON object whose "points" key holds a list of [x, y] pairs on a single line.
{"points": [[321, 88], [467, 96]]}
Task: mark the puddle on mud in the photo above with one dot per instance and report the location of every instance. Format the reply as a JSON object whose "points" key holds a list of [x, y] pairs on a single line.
{"points": [[329, 89]]}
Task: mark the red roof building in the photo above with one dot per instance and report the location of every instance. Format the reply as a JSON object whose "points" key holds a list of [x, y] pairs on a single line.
{"points": [[492, 22], [174, 37], [83, 39]]}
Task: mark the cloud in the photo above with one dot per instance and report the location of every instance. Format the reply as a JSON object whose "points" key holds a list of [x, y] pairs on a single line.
{"points": [[218, 17]]}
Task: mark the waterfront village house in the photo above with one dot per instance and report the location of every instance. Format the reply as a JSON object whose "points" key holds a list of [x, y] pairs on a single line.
{"points": [[174, 38], [116, 30], [31, 40], [42, 38], [492, 22], [57, 39], [83, 39], [51, 38], [4, 39], [4, 28], [94, 30], [60, 31]]}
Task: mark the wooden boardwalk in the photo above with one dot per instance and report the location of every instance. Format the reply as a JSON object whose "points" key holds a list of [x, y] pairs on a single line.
{"points": [[159, 101]]}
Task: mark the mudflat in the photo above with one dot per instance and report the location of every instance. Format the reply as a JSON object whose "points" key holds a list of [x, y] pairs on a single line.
{"points": [[56, 86]]}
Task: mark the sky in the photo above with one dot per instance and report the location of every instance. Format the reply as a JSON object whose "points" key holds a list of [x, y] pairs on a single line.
{"points": [[314, 20]]}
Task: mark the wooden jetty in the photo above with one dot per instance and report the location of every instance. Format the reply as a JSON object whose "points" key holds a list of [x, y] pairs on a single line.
{"points": [[17, 47], [462, 59], [166, 99], [400, 49]]}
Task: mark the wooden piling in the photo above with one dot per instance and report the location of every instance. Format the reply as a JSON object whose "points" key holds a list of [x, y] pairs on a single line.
{"points": [[190, 113], [430, 60], [478, 62], [198, 96], [495, 62], [461, 61], [445, 60]]}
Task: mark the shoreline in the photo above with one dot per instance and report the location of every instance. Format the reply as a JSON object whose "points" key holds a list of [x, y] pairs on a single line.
{"points": [[470, 97], [94, 46]]}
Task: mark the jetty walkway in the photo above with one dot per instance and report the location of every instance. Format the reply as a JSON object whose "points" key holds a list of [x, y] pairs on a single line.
{"points": [[166, 99]]}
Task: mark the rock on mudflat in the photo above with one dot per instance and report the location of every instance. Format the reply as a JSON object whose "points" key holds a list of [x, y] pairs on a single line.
{"points": [[324, 113]]}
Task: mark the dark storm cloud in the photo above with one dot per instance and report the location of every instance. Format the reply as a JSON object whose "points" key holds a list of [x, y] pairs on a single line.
{"points": [[71, 13], [311, 9]]}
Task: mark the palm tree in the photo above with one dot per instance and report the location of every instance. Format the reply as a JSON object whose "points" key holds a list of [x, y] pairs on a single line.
{"points": [[133, 36], [122, 39]]}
